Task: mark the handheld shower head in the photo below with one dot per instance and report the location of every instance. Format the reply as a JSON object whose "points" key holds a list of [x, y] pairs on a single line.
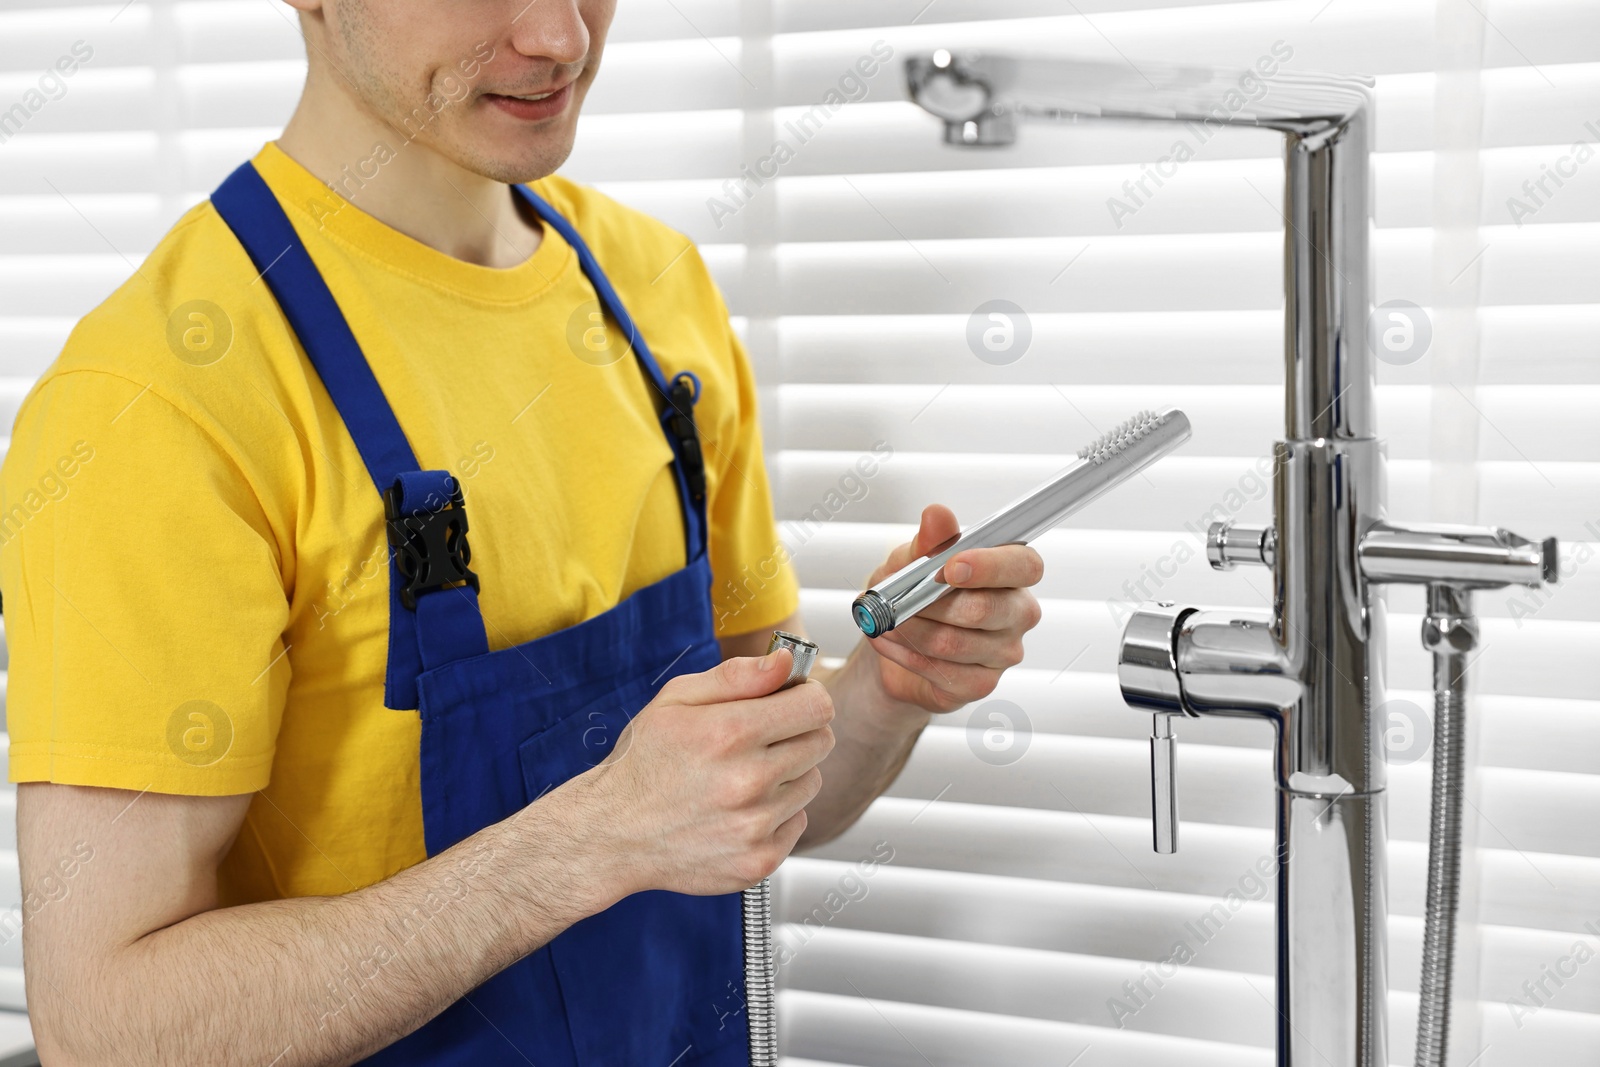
{"points": [[1106, 462]]}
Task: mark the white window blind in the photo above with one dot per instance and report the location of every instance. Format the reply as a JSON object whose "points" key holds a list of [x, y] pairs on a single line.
{"points": [[999, 903]]}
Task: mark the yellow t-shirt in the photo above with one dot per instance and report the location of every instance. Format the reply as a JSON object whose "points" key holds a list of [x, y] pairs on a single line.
{"points": [[192, 552]]}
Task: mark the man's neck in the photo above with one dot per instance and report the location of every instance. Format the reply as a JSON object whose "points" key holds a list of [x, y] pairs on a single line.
{"points": [[416, 191]]}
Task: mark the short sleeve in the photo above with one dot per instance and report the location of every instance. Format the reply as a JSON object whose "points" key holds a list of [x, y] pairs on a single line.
{"points": [[144, 599], [754, 584]]}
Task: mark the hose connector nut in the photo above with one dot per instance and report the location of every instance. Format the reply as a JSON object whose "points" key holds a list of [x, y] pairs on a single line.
{"points": [[1449, 633], [804, 654], [1449, 626]]}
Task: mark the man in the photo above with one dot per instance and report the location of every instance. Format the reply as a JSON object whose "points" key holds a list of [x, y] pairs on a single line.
{"points": [[318, 772]]}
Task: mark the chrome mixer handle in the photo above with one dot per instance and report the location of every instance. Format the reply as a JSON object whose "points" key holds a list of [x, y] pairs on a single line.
{"points": [[1147, 671], [1163, 784]]}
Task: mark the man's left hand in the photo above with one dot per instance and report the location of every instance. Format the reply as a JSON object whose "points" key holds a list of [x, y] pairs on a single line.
{"points": [[954, 651]]}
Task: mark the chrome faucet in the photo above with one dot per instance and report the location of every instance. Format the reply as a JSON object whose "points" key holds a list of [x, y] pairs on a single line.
{"points": [[1313, 664]]}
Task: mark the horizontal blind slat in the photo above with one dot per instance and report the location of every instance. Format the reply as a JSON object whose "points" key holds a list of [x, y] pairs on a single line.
{"points": [[853, 1028], [1527, 423], [1224, 785], [1518, 888], [1529, 344]]}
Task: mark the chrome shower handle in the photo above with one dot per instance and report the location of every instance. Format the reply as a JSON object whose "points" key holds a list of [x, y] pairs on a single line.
{"points": [[1163, 783]]}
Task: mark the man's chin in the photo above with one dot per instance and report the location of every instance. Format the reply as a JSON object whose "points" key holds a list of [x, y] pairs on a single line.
{"points": [[515, 164]]}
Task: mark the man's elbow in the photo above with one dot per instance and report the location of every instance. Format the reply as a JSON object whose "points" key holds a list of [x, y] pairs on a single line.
{"points": [[73, 1029]]}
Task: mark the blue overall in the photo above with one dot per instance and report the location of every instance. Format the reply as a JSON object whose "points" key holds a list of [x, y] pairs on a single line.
{"points": [[656, 980]]}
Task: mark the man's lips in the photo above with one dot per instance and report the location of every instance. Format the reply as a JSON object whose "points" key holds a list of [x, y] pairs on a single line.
{"points": [[534, 106]]}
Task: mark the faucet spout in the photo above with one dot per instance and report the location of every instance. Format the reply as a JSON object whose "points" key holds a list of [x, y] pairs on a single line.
{"points": [[959, 87], [1325, 121]]}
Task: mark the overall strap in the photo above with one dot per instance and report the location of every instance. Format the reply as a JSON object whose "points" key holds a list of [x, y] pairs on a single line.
{"points": [[677, 411], [432, 620]]}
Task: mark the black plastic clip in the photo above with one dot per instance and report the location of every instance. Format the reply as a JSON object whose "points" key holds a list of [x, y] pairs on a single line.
{"points": [[431, 548], [680, 423]]}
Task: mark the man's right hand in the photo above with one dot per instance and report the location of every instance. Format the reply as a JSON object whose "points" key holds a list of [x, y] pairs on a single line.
{"points": [[706, 789], [704, 794]]}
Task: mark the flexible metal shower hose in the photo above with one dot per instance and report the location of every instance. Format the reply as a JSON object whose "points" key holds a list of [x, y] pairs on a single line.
{"points": [[760, 978], [1444, 858], [760, 963]]}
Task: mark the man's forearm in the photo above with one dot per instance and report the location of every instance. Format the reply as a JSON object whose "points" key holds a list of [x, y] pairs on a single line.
{"points": [[324, 980], [874, 736]]}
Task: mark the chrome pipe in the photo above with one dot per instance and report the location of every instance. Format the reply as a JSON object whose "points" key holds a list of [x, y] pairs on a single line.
{"points": [[1101, 465], [1332, 909], [1471, 556]]}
